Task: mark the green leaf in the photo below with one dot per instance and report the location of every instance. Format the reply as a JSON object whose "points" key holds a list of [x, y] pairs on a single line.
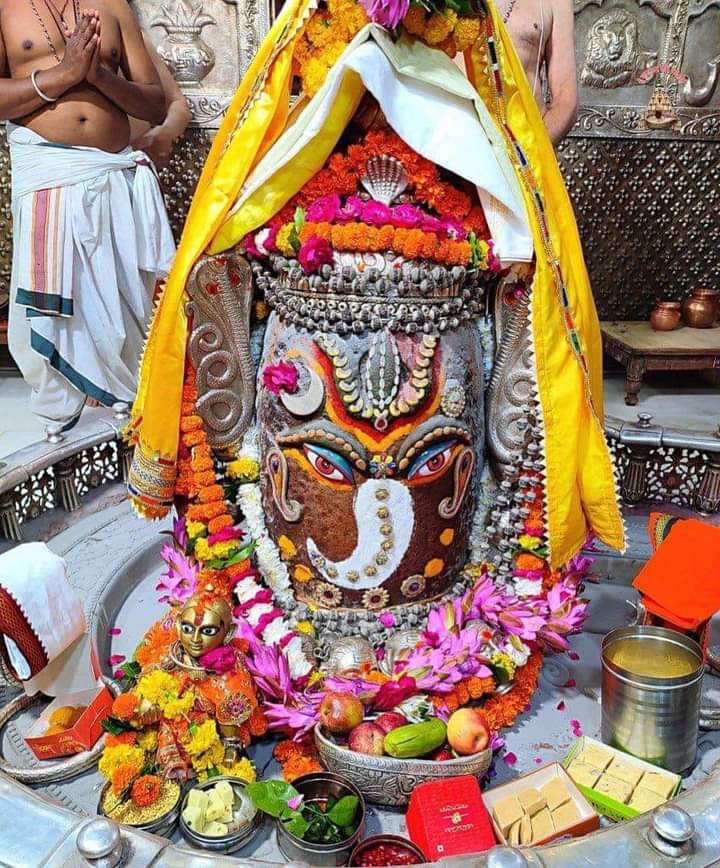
{"points": [[271, 797], [213, 772], [297, 825], [221, 564], [343, 812], [115, 726], [299, 219]]}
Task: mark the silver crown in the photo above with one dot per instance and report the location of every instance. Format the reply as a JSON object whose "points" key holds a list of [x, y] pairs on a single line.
{"points": [[385, 179]]}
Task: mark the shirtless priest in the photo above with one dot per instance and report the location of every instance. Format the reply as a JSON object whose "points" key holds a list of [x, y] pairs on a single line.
{"points": [[90, 233]]}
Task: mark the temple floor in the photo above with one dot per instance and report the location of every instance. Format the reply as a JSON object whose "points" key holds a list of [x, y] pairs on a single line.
{"points": [[114, 562]]}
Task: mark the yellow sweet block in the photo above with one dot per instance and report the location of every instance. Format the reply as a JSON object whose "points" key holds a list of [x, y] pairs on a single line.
{"points": [[595, 756], [645, 800], [507, 812], [566, 815], [542, 825], [526, 834], [583, 774], [614, 787], [513, 837], [624, 771], [555, 793], [658, 783], [532, 801]]}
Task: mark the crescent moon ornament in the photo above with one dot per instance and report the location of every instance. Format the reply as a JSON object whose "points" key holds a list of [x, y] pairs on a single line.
{"points": [[305, 403]]}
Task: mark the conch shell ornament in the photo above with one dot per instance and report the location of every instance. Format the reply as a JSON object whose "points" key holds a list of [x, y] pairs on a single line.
{"points": [[385, 179]]}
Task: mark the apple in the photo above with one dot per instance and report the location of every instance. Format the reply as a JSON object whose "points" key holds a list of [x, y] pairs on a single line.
{"points": [[341, 712], [441, 755], [468, 731], [390, 720], [367, 738]]}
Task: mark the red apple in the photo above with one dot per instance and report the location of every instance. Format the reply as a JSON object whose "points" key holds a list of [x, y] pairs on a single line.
{"points": [[367, 738], [390, 720], [441, 755], [468, 731], [341, 712]]}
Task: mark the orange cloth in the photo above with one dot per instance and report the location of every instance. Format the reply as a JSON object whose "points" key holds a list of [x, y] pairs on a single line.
{"points": [[681, 581]]}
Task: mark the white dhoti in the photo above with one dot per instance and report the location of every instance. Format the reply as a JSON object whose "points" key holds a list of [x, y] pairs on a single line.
{"points": [[90, 240]]}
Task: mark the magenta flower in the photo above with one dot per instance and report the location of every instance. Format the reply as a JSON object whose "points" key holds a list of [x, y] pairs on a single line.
{"points": [[388, 13], [220, 660], [227, 533], [406, 216], [351, 210], [179, 583], [387, 619], [116, 659], [453, 229], [432, 224], [250, 245], [114, 631], [295, 802], [280, 377], [392, 693], [323, 210], [376, 214], [315, 252]]}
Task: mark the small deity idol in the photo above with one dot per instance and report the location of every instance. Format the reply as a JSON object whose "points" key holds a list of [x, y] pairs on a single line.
{"points": [[204, 625]]}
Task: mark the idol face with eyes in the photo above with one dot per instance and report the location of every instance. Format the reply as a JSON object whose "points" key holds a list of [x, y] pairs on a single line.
{"points": [[203, 627], [371, 467]]}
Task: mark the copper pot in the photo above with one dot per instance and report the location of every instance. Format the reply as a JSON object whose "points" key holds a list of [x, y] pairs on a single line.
{"points": [[700, 308], [665, 316]]}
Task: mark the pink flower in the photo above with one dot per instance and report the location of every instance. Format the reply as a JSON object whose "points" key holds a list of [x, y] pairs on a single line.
{"points": [[225, 534], [454, 229], [179, 583], [351, 210], [387, 619], [114, 631], [376, 213], [432, 224], [388, 13], [573, 655], [324, 209], [295, 802], [510, 758], [282, 376], [115, 659], [220, 660], [560, 706], [315, 252], [570, 683], [406, 216], [392, 693], [251, 247], [118, 674]]}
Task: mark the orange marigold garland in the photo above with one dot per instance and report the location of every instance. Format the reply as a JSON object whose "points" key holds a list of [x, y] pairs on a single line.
{"points": [[502, 711], [297, 758]]}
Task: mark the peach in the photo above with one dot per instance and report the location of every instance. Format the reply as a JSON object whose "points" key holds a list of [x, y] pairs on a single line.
{"points": [[468, 731]]}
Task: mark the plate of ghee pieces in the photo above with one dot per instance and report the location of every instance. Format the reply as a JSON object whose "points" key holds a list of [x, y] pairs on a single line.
{"points": [[218, 815], [64, 718]]}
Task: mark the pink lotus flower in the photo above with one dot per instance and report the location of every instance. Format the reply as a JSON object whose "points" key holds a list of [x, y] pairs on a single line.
{"points": [[388, 13], [220, 660], [315, 252], [351, 210], [282, 376], [179, 583], [406, 216], [392, 693], [376, 214], [323, 210]]}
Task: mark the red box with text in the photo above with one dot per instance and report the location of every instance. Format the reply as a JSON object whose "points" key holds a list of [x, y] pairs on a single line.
{"points": [[84, 733], [448, 818]]}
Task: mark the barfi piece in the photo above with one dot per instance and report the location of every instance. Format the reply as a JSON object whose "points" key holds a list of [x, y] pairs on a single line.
{"points": [[583, 774], [615, 788], [595, 756], [555, 793], [532, 801], [513, 838], [624, 771], [526, 834], [645, 800], [542, 825], [659, 783], [566, 815], [507, 812]]}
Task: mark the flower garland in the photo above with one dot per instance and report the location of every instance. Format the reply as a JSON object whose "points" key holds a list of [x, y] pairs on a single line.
{"points": [[297, 758], [501, 711], [446, 30]]}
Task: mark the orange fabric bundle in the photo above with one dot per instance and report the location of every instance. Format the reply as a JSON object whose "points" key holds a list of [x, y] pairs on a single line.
{"points": [[681, 581]]}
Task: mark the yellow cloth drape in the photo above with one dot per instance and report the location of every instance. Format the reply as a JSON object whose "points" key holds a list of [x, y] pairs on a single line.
{"points": [[254, 120], [580, 479]]}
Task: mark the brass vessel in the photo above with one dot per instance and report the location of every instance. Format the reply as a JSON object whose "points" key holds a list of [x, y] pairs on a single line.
{"points": [[666, 316], [700, 308]]}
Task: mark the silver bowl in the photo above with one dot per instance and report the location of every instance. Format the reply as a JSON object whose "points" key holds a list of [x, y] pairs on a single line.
{"points": [[384, 780], [223, 843], [163, 825], [317, 787]]}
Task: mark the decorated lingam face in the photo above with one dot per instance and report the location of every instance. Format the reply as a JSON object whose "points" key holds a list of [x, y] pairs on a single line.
{"points": [[203, 625], [371, 459]]}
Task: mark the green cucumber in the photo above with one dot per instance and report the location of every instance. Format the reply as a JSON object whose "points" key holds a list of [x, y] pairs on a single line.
{"points": [[415, 739]]}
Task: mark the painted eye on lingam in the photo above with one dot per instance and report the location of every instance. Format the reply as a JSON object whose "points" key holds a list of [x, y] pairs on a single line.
{"points": [[329, 464]]}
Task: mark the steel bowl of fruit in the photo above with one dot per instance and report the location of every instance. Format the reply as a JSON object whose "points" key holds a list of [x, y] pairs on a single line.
{"points": [[387, 756], [217, 815]]}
